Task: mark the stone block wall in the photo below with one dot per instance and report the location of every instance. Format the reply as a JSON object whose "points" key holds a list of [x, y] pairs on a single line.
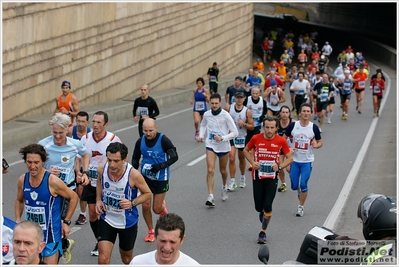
{"points": [[108, 50]]}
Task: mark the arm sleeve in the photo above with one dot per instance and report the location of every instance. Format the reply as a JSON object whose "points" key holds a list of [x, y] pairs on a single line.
{"points": [[134, 108], [155, 110], [264, 111], [289, 129], [202, 128], [170, 149], [136, 154], [232, 127], [316, 131]]}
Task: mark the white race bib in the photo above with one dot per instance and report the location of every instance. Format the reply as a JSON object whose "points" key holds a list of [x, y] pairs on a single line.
{"points": [[266, 170], [37, 215]]}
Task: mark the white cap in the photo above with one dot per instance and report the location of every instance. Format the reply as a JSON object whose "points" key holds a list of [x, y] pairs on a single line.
{"points": [[347, 71]]}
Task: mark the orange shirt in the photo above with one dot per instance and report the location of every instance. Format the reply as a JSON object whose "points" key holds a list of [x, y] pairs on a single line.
{"points": [[361, 84], [282, 71], [302, 57], [67, 104], [259, 65]]}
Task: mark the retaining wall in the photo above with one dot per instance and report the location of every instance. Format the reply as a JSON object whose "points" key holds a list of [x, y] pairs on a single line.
{"points": [[108, 50]]}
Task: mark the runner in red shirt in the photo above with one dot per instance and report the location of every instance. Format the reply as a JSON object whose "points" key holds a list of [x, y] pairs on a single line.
{"points": [[265, 48], [265, 160], [377, 85], [359, 78]]}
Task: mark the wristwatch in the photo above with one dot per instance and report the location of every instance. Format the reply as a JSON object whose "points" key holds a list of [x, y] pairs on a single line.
{"points": [[133, 203], [67, 222], [279, 168], [245, 124], [85, 172]]}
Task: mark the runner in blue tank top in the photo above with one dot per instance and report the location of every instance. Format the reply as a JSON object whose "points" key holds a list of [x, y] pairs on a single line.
{"points": [[200, 97], [39, 194], [158, 153]]}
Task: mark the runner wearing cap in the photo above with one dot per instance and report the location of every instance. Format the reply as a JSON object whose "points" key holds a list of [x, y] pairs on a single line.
{"points": [[67, 103], [243, 120], [274, 96]]}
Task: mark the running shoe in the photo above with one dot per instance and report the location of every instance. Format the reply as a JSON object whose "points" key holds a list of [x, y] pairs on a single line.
{"points": [[165, 211], [232, 185], [320, 130], [343, 117], [262, 238], [81, 220], [242, 183], [375, 114], [250, 167], [329, 121], [94, 252], [224, 194], [196, 135], [66, 253], [282, 188], [295, 113], [359, 111], [150, 237], [210, 201], [315, 117], [299, 212]]}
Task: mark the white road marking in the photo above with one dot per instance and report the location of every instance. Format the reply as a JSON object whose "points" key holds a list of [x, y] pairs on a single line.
{"points": [[158, 119], [335, 212], [197, 160]]}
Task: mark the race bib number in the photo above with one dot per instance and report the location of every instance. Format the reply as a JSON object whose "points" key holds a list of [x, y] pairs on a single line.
{"points": [[145, 170], [301, 145], [111, 200], [266, 169], [211, 136], [64, 173], [301, 91], [199, 105], [93, 175], [212, 79], [143, 111], [377, 89], [239, 142], [362, 84], [323, 97], [37, 215]]}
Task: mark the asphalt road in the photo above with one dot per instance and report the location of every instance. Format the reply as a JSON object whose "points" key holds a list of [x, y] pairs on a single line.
{"points": [[227, 234]]}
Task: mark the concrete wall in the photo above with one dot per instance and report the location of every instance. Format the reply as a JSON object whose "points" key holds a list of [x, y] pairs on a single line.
{"points": [[107, 50]]}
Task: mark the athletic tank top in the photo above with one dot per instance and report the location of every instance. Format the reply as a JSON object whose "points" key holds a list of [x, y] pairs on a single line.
{"points": [[199, 101], [239, 140], [256, 109], [74, 132], [271, 98], [43, 208], [153, 155], [346, 87], [280, 129], [113, 191], [67, 105]]}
